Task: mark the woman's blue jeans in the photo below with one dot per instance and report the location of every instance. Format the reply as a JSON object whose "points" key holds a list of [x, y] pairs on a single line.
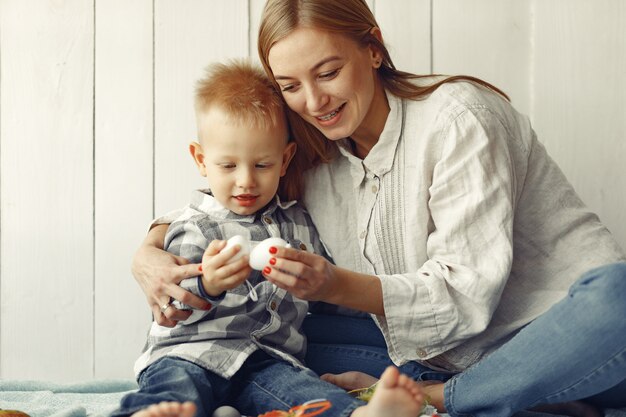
{"points": [[576, 350]]}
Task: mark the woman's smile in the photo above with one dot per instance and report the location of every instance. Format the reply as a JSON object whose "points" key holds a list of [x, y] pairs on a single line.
{"points": [[331, 117]]}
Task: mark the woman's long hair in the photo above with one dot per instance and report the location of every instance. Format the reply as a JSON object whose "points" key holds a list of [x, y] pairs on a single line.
{"points": [[350, 18]]}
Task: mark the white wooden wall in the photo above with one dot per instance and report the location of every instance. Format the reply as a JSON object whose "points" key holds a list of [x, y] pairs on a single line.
{"points": [[96, 114]]}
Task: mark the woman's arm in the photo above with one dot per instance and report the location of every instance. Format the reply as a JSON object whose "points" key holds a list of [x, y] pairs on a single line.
{"points": [[159, 273]]}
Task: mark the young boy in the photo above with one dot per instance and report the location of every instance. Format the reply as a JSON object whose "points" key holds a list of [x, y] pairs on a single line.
{"points": [[247, 350]]}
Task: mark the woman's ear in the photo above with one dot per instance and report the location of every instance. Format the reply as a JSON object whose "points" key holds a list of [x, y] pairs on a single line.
{"points": [[375, 53], [288, 153], [375, 32], [195, 149]]}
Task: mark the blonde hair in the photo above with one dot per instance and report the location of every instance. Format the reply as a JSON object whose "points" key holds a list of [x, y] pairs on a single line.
{"points": [[350, 18], [247, 95], [243, 91]]}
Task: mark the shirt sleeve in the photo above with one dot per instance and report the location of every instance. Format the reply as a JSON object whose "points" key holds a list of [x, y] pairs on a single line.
{"points": [[184, 238], [454, 294], [167, 218]]}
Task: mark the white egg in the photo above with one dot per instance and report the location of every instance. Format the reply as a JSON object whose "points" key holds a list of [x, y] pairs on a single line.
{"points": [[241, 241], [260, 255]]}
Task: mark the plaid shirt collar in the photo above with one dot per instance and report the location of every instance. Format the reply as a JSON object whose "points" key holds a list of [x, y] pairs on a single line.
{"points": [[203, 200]]}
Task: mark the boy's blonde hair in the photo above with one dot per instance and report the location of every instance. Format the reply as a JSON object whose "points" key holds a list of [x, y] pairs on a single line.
{"points": [[243, 91]]}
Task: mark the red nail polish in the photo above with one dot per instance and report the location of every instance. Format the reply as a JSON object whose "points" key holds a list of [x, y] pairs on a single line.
{"points": [[273, 250], [200, 268], [267, 270], [208, 307], [272, 261]]}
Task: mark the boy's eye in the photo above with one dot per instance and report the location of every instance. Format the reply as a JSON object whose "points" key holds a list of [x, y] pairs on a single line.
{"points": [[263, 166], [228, 166]]}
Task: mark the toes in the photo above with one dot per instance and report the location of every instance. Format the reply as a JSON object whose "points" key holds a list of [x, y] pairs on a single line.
{"points": [[188, 409], [389, 378], [329, 378]]}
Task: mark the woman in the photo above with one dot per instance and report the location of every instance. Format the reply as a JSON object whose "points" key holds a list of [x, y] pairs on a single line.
{"points": [[450, 225]]}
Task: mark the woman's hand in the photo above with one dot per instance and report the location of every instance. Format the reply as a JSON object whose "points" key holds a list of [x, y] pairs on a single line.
{"points": [[306, 275], [219, 273], [312, 277], [159, 273]]}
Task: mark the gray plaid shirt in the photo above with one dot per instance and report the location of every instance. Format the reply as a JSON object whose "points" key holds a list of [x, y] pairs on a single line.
{"points": [[222, 338]]}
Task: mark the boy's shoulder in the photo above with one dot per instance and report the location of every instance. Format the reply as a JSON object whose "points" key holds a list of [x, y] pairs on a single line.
{"points": [[295, 211]]}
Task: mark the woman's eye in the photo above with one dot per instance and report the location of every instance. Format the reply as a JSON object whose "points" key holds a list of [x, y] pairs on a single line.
{"points": [[228, 166], [287, 88], [329, 75]]}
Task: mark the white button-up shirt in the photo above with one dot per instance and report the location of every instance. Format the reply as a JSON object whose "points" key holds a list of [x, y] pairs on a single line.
{"points": [[470, 226]]}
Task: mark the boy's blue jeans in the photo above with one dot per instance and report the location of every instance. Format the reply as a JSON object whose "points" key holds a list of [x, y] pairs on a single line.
{"points": [[576, 350], [262, 384]]}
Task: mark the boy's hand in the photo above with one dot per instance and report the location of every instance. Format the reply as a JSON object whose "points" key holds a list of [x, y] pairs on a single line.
{"points": [[217, 274]]}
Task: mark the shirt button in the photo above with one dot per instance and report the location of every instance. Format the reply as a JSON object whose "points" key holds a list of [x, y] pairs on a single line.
{"points": [[267, 220], [363, 234], [273, 306], [421, 353], [374, 189], [302, 246]]}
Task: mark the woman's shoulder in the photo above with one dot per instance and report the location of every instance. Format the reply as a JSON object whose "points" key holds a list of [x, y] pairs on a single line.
{"points": [[476, 102], [461, 95]]}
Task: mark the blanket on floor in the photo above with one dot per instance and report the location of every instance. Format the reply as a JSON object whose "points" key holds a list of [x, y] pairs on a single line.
{"points": [[100, 397], [46, 399]]}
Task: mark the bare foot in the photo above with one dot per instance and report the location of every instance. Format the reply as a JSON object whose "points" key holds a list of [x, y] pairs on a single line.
{"points": [[168, 409], [396, 395], [350, 380], [572, 408], [433, 391]]}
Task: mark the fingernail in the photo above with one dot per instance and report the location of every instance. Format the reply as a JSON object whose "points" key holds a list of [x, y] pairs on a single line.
{"points": [[273, 250], [272, 261], [267, 270], [200, 268], [207, 308]]}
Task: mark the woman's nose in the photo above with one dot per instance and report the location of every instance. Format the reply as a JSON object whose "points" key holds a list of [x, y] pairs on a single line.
{"points": [[316, 99]]}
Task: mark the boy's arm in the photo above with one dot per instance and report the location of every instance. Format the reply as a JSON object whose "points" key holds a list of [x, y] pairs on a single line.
{"points": [[200, 245], [185, 239]]}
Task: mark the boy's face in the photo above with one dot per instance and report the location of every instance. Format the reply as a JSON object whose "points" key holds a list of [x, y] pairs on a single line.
{"points": [[243, 164]]}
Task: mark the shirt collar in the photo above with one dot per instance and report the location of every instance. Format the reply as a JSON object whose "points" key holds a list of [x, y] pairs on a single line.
{"points": [[203, 200], [379, 160]]}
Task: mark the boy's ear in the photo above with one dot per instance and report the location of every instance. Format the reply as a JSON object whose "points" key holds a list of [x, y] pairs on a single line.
{"points": [[195, 149], [288, 153]]}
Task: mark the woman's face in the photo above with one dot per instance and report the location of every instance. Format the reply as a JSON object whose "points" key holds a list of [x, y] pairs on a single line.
{"points": [[330, 81]]}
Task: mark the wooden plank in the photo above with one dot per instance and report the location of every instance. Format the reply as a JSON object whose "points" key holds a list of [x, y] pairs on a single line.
{"points": [[489, 39], [123, 182], [187, 38], [47, 189], [580, 99], [405, 25], [256, 10]]}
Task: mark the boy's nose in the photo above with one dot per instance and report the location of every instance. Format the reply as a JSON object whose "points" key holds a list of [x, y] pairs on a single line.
{"points": [[245, 179]]}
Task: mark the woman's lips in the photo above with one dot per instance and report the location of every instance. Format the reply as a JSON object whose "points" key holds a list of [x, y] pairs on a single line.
{"points": [[331, 117]]}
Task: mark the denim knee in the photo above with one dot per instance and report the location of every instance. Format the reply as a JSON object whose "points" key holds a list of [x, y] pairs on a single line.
{"points": [[607, 286], [608, 279]]}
